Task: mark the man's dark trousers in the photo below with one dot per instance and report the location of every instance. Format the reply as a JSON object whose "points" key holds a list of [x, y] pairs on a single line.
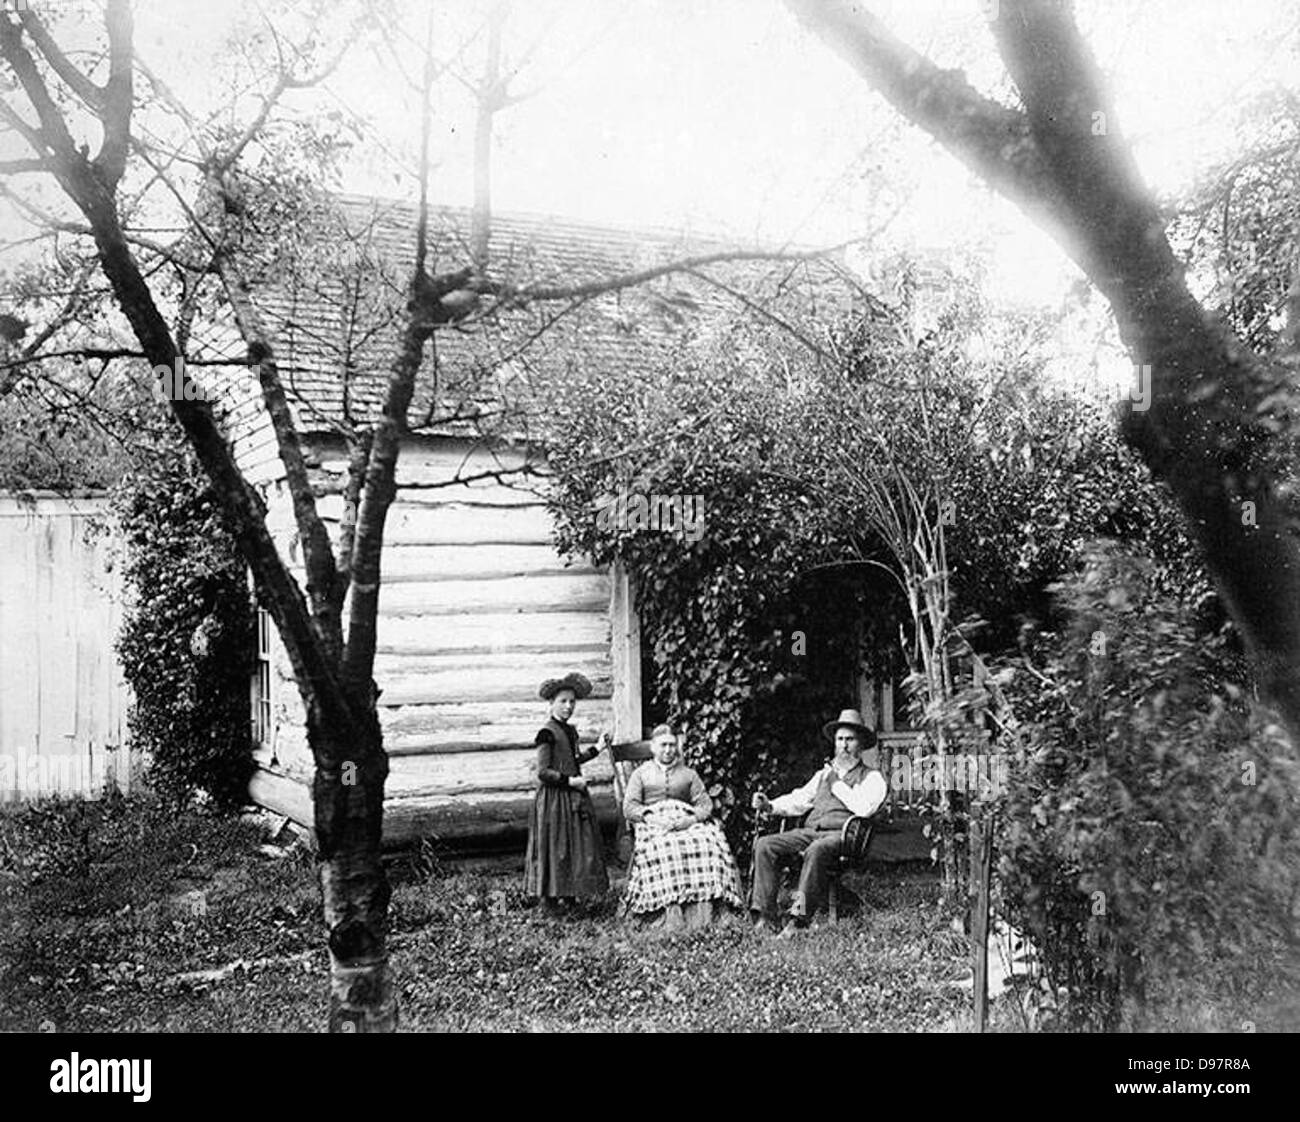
{"points": [[820, 850]]}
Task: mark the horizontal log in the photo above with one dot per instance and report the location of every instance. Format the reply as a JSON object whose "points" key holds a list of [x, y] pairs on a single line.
{"points": [[432, 500], [328, 489], [495, 631], [475, 562], [444, 743], [522, 664], [588, 719], [425, 460], [432, 728], [429, 733], [447, 458], [484, 738], [282, 794], [500, 821], [470, 494], [264, 472], [576, 593], [532, 648], [487, 821], [511, 769], [408, 746], [483, 567], [470, 683], [458, 524], [450, 560], [499, 818], [492, 687], [489, 572]]}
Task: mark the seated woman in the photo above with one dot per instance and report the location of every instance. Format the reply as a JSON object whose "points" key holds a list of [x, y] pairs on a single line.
{"points": [[682, 859]]}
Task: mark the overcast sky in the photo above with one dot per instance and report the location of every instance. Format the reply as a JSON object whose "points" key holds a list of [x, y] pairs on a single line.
{"points": [[723, 115], [726, 115]]}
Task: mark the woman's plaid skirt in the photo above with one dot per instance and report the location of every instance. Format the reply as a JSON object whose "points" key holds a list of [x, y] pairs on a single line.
{"points": [[679, 866]]}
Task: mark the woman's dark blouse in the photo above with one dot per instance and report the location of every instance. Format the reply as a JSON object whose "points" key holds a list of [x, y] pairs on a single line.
{"points": [[556, 761]]}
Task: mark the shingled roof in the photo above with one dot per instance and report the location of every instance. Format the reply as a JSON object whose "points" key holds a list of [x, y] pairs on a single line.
{"points": [[336, 310]]}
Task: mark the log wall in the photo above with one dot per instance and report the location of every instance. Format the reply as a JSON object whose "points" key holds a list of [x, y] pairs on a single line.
{"points": [[476, 608]]}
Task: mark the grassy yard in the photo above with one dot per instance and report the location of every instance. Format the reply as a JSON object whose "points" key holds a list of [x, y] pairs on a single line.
{"points": [[121, 917]]}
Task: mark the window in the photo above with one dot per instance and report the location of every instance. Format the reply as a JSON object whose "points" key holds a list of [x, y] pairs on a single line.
{"points": [[261, 684]]}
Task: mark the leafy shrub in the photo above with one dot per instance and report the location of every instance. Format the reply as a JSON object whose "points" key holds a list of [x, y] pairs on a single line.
{"points": [[52, 839], [756, 632], [747, 646], [187, 641], [1149, 829], [739, 653]]}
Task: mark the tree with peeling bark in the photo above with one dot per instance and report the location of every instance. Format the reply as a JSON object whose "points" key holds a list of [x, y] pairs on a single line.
{"points": [[328, 627], [1220, 429], [337, 690]]}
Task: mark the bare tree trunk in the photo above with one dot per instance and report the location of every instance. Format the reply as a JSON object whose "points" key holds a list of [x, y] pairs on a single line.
{"points": [[343, 732], [343, 728], [349, 799]]}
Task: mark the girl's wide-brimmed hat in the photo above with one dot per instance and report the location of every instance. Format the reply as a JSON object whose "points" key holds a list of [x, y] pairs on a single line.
{"points": [[580, 686], [850, 719]]}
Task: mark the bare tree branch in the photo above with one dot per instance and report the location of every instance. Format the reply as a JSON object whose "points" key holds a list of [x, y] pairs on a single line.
{"points": [[994, 138], [284, 82], [358, 461], [1211, 430], [490, 98], [758, 309], [18, 167], [177, 107], [318, 556], [53, 133], [73, 78], [29, 133], [379, 487], [105, 354], [523, 294], [501, 475], [119, 92], [342, 724]]}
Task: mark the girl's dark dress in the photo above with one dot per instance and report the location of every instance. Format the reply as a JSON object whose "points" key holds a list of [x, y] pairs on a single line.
{"points": [[565, 855]]}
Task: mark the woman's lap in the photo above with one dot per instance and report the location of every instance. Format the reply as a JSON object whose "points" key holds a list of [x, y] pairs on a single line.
{"points": [[680, 867]]}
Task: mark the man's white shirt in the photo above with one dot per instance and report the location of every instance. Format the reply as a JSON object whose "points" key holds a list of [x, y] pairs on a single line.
{"points": [[863, 800]]}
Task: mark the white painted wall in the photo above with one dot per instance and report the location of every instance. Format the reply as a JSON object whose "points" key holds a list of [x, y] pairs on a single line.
{"points": [[63, 699]]}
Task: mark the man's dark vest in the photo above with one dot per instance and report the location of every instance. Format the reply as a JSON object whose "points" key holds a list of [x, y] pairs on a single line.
{"points": [[828, 813]]}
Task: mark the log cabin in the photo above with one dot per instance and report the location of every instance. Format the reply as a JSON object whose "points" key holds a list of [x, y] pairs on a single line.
{"points": [[476, 606]]}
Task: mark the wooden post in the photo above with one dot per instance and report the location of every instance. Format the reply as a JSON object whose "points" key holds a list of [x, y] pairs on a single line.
{"points": [[625, 654], [867, 700], [981, 868]]}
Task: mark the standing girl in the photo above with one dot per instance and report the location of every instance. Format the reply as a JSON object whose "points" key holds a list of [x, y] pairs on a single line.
{"points": [[565, 858]]}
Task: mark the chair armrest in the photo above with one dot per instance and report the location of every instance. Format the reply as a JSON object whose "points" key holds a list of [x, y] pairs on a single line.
{"points": [[779, 823], [855, 839]]}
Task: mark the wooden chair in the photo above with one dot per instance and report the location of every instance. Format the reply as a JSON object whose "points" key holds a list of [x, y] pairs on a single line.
{"points": [[855, 840], [624, 759]]}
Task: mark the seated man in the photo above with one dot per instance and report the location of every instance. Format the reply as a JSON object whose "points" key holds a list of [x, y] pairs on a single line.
{"points": [[845, 787]]}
